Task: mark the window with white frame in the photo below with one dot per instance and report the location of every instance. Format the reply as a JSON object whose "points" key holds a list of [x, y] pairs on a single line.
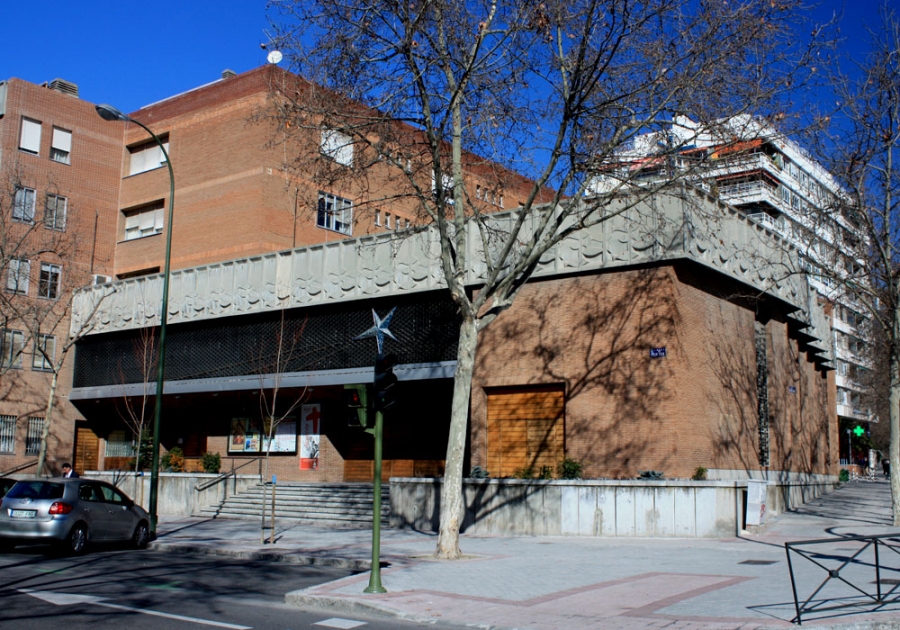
{"points": [[48, 286], [30, 138], [377, 217], [7, 434], [142, 222], [55, 212], [23, 205], [33, 438], [11, 349], [387, 220], [335, 213], [119, 444], [146, 156], [44, 353], [446, 185], [61, 145], [18, 273], [337, 146]]}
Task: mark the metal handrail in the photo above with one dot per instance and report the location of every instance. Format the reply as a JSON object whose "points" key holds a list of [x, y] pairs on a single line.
{"points": [[231, 473], [18, 468]]}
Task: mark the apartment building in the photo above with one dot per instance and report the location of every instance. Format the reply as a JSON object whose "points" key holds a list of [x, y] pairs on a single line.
{"points": [[58, 163]]}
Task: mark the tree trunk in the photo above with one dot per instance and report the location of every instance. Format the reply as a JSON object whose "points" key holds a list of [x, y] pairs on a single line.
{"points": [[452, 508], [894, 415], [45, 430]]}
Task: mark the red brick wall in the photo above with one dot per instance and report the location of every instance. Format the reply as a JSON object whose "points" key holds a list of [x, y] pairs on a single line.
{"points": [[627, 412]]}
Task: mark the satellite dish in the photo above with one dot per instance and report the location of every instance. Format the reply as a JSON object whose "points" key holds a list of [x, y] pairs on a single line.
{"points": [[274, 57]]}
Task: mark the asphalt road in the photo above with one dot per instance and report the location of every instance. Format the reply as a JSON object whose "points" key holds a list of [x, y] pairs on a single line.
{"points": [[138, 590]]}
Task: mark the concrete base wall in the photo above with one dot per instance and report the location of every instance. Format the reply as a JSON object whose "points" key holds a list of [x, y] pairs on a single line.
{"points": [[177, 494], [657, 509]]}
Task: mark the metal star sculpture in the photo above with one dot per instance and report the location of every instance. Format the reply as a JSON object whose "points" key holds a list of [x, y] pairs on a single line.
{"points": [[380, 329]]}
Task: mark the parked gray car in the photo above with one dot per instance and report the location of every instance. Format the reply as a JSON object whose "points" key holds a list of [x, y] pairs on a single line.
{"points": [[70, 513]]}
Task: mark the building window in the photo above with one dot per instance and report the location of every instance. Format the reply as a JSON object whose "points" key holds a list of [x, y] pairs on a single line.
{"points": [[17, 276], [447, 187], [387, 220], [7, 434], [378, 217], [406, 223], [337, 146], [44, 353], [147, 156], [335, 213], [33, 439], [12, 348], [118, 444], [30, 140], [48, 287], [146, 221], [61, 145], [23, 205], [55, 212]]}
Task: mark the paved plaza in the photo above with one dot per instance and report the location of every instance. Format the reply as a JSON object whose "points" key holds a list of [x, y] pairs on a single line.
{"points": [[556, 583]]}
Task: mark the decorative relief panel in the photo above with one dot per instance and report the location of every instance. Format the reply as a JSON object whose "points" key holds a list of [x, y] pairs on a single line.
{"points": [[402, 262]]}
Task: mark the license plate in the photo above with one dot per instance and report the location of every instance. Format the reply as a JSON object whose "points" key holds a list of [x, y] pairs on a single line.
{"points": [[22, 513]]}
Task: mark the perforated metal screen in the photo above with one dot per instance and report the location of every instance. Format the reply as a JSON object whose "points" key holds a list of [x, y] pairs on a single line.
{"points": [[317, 338]]}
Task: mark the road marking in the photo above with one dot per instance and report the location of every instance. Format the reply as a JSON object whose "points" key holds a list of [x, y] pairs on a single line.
{"points": [[68, 599], [337, 622]]}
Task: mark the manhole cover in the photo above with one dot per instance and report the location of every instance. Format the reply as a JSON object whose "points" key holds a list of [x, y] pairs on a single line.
{"points": [[761, 562]]}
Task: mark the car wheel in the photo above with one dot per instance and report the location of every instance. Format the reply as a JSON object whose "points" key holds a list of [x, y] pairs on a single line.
{"points": [[141, 536], [76, 542]]}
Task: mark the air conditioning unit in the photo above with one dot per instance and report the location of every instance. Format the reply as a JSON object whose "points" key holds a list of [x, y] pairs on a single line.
{"points": [[99, 279]]}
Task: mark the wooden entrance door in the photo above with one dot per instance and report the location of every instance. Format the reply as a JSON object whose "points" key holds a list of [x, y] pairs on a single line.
{"points": [[526, 428], [87, 450]]}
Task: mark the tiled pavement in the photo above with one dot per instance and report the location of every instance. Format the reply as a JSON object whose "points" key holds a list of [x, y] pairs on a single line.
{"points": [[550, 583]]}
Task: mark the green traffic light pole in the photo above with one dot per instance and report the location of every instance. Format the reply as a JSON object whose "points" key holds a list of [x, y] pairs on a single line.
{"points": [[375, 574], [108, 112], [379, 331]]}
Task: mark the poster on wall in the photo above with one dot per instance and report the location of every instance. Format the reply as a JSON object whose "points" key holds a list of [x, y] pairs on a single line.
{"points": [[285, 438], [310, 417], [247, 436], [238, 437]]}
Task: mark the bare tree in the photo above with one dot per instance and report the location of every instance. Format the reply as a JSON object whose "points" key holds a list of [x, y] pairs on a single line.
{"points": [[434, 95], [135, 410], [271, 370], [863, 152], [41, 262]]}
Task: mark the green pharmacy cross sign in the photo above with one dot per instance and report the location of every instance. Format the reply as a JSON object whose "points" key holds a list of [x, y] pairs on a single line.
{"points": [[859, 431]]}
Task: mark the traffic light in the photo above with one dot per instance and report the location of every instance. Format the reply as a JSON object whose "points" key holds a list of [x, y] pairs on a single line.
{"points": [[358, 405], [384, 381]]}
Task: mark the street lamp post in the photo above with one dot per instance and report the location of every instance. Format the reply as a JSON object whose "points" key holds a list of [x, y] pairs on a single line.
{"points": [[108, 112]]}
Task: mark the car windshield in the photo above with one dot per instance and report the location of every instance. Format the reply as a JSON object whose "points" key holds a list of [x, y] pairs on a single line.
{"points": [[36, 490]]}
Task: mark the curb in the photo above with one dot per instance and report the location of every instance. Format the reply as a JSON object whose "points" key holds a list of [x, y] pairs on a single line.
{"points": [[287, 556]]}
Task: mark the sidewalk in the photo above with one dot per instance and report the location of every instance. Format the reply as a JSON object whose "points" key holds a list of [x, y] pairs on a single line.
{"points": [[556, 583]]}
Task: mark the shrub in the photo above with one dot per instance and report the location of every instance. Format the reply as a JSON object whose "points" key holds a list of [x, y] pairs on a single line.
{"points": [[173, 461], [569, 468], [526, 472], [651, 474], [479, 473], [546, 472], [212, 462], [844, 475], [699, 474]]}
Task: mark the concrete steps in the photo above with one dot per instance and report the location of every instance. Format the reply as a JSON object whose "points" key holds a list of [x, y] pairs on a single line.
{"points": [[335, 504]]}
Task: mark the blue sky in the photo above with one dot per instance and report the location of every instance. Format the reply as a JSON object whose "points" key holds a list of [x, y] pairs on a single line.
{"points": [[128, 53], [132, 54]]}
